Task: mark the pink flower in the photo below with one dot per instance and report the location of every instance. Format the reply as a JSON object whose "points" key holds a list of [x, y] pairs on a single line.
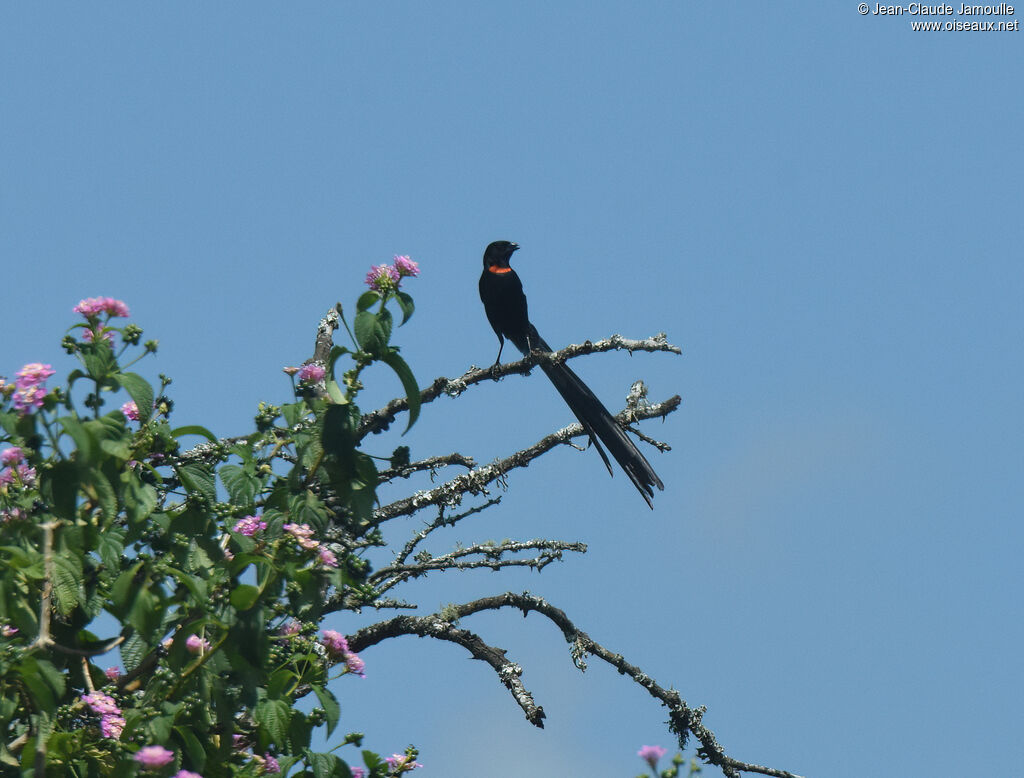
{"points": [[11, 456], [357, 772], [270, 764], [101, 703], [303, 534], [153, 757], [327, 558], [7, 631], [335, 642], [651, 755], [383, 278], [187, 774], [32, 374], [311, 373], [113, 673], [89, 336], [196, 644], [406, 267], [112, 726], [130, 410], [401, 763], [28, 398], [291, 628], [94, 306], [355, 665], [250, 525], [25, 474]]}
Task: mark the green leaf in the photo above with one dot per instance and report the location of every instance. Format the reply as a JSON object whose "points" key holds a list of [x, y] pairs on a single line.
{"points": [[412, 391], [194, 429], [244, 596], [335, 393], [110, 545], [140, 498], [366, 332], [196, 586], [106, 496], [60, 487], [405, 303], [198, 479], [324, 765], [85, 442], [330, 705], [241, 484], [68, 587], [367, 300], [193, 747], [140, 391], [133, 651], [272, 716]]}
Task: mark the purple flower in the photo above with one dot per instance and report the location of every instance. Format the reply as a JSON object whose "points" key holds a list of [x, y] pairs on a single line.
{"points": [[28, 398], [113, 673], [303, 534], [11, 456], [196, 644], [327, 558], [112, 726], [401, 763], [651, 755], [7, 631], [270, 764], [311, 373], [335, 642], [89, 336], [406, 267], [32, 374], [153, 757], [357, 772], [383, 278], [355, 665], [94, 306], [101, 703], [130, 410], [250, 525], [291, 628]]}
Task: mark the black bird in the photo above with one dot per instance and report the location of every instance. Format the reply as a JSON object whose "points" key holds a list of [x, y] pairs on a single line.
{"points": [[501, 292]]}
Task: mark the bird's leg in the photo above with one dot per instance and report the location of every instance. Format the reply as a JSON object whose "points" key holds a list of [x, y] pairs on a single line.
{"points": [[497, 361]]}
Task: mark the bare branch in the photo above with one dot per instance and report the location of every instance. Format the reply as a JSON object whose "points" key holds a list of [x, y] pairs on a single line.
{"points": [[477, 480], [440, 521], [684, 720], [436, 627], [389, 577], [380, 419], [431, 463]]}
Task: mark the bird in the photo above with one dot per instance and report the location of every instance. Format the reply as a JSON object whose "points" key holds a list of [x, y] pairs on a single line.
{"points": [[501, 292]]}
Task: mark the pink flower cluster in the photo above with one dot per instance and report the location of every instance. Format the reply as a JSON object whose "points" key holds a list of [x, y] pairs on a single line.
{"points": [[651, 755], [311, 374], [29, 387], [196, 644], [92, 307], [16, 469], [401, 763], [89, 336], [303, 535], [249, 526], [111, 720], [130, 410], [153, 757], [386, 278], [7, 631], [337, 646]]}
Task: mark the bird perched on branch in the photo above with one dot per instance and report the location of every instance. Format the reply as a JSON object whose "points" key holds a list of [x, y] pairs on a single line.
{"points": [[501, 292]]}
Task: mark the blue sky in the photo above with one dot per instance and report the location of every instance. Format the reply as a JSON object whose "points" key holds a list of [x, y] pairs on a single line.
{"points": [[823, 209]]}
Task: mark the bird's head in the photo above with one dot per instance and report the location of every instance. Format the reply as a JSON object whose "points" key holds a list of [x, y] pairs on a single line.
{"points": [[499, 253]]}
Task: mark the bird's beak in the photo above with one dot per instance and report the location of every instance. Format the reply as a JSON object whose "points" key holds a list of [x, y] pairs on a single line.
{"points": [[515, 247]]}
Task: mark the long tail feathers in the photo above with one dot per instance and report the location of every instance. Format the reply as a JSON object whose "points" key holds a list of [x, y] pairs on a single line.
{"points": [[599, 423]]}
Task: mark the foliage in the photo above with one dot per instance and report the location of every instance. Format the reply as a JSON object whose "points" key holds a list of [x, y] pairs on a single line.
{"points": [[209, 570]]}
